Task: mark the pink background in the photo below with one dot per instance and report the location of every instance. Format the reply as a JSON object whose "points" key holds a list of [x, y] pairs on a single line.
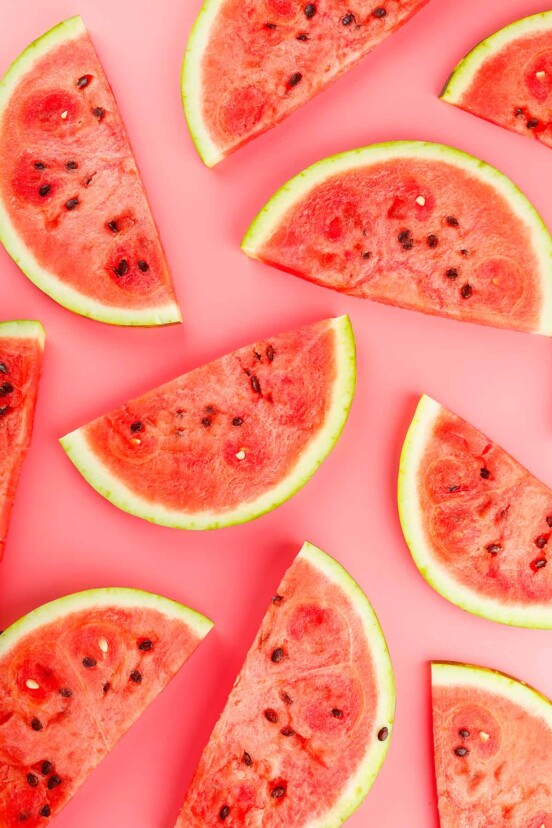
{"points": [[64, 537]]}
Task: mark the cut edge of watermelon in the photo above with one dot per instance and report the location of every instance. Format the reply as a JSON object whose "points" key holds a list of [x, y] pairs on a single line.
{"points": [[105, 483], [462, 77], [23, 329], [420, 434], [191, 83], [64, 294], [455, 674], [359, 785], [269, 218], [106, 597]]}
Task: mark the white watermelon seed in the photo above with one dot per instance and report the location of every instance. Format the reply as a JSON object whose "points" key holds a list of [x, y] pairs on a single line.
{"points": [[484, 736], [541, 74], [241, 454], [103, 645], [136, 441], [64, 114], [32, 684], [421, 201]]}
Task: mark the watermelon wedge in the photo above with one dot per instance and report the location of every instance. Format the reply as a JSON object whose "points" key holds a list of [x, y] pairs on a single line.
{"points": [[306, 728], [229, 441], [21, 349], [493, 749], [251, 63], [73, 211], [75, 674], [507, 79], [477, 523], [417, 225]]}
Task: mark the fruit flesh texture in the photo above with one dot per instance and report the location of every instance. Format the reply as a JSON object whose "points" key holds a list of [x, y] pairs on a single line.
{"points": [[224, 433], [258, 48], [298, 723], [513, 87], [422, 234], [76, 133], [487, 519], [76, 729], [20, 365], [503, 779]]}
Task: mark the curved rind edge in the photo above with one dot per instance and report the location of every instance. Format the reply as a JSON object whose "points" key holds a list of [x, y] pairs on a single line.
{"points": [[100, 478], [410, 514], [24, 329]]}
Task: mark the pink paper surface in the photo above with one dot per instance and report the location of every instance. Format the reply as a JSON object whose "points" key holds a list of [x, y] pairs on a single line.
{"points": [[64, 537]]}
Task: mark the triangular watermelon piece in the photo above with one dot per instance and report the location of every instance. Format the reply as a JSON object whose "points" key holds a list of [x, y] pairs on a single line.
{"points": [[307, 725], [477, 523], [417, 225], [21, 349], [74, 676], [73, 211], [229, 441], [507, 78], [493, 749], [251, 63]]}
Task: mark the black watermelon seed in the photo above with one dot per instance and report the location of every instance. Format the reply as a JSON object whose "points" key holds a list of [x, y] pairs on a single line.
{"points": [[404, 235], [296, 78], [452, 273], [4, 370], [98, 113], [113, 226], [532, 123], [271, 26], [32, 779], [278, 792], [379, 12], [518, 112], [38, 165], [23, 817], [72, 203], [310, 10], [5, 389], [432, 240], [452, 221], [46, 811], [146, 644], [271, 715], [84, 81], [287, 699], [53, 782], [465, 252], [466, 291], [348, 19], [89, 662], [247, 759], [287, 731], [122, 268], [485, 473], [493, 548], [541, 541], [302, 37], [206, 422], [367, 255], [255, 385], [277, 655], [337, 713], [4, 410], [71, 165], [224, 811], [136, 677], [46, 768], [540, 563], [270, 353], [277, 599], [461, 751], [107, 687], [36, 724], [138, 425], [66, 693], [383, 734], [143, 266], [465, 734], [44, 190], [237, 421], [549, 520]]}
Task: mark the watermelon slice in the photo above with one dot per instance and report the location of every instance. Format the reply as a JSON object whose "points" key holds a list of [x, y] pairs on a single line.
{"points": [[251, 63], [21, 348], [75, 674], [306, 728], [493, 749], [230, 440], [73, 211], [507, 79], [477, 523], [417, 225]]}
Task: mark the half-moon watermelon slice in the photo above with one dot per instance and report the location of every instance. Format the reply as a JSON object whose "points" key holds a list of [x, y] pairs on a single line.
{"points": [[21, 349], [477, 523], [507, 79], [307, 725], [75, 674], [493, 749], [73, 211], [417, 225], [251, 63], [229, 441]]}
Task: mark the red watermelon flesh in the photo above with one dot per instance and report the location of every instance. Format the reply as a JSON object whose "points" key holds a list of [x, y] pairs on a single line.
{"points": [[421, 226], [306, 727], [21, 348], [73, 210], [73, 679], [251, 63], [507, 79], [493, 750]]}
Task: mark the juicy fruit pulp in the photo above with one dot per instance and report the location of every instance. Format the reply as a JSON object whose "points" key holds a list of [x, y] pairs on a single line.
{"points": [[227, 441], [74, 676], [21, 348], [507, 79], [421, 226], [493, 749], [251, 63], [307, 725], [73, 211], [477, 523]]}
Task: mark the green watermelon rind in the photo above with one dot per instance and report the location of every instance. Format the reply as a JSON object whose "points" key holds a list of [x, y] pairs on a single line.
{"points": [[23, 329], [48, 282], [463, 75], [360, 784], [97, 598], [420, 433], [103, 481], [269, 218]]}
